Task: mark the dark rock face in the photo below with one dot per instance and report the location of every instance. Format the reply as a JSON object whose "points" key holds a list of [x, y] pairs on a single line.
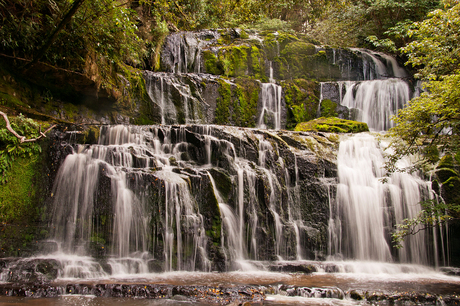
{"points": [[32, 271], [191, 89], [185, 183]]}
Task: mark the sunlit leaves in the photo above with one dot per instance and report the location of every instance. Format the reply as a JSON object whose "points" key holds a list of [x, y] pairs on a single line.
{"points": [[436, 49], [433, 119]]}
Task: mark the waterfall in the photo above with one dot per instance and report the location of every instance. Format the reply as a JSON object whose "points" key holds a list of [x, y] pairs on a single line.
{"points": [[376, 101], [270, 115], [124, 156], [174, 198], [172, 95], [366, 209]]}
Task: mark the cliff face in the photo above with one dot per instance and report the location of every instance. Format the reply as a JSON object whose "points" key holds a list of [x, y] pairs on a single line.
{"points": [[193, 197], [211, 177]]}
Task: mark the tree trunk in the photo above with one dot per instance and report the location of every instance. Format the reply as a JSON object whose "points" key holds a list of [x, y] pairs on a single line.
{"points": [[52, 37]]}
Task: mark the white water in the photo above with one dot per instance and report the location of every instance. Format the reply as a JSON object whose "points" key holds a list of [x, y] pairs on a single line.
{"points": [[377, 101], [367, 209], [270, 115], [74, 196], [174, 98]]}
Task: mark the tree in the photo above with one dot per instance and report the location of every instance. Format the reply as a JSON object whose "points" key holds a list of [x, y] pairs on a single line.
{"points": [[429, 127], [430, 123], [350, 22], [94, 37]]}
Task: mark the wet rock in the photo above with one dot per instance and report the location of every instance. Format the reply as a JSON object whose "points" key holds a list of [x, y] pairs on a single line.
{"points": [[292, 268], [450, 270], [357, 295], [32, 270]]}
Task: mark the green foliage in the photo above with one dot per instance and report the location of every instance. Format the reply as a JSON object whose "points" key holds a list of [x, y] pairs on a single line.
{"points": [[429, 126], [432, 214], [268, 24], [431, 121], [99, 40], [332, 125], [10, 146], [348, 23], [435, 49]]}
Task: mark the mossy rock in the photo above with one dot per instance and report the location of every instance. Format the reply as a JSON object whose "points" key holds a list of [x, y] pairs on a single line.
{"points": [[301, 101], [332, 125], [237, 103], [445, 174], [223, 183], [223, 103], [328, 108], [212, 64], [234, 60], [451, 190], [91, 135], [245, 104], [299, 48], [447, 161]]}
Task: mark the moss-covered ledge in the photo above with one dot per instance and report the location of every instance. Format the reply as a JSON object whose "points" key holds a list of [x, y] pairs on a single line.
{"points": [[333, 125]]}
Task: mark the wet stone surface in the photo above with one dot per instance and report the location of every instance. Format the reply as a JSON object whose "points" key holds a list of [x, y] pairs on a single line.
{"points": [[214, 295]]}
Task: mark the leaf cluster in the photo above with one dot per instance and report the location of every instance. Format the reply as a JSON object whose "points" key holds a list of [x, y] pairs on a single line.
{"points": [[10, 146], [432, 214], [381, 24], [430, 124]]}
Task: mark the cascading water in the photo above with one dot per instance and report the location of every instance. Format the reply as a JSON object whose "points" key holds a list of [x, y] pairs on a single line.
{"points": [[366, 209], [375, 94], [174, 99], [377, 101], [270, 115], [149, 199], [142, 199]]}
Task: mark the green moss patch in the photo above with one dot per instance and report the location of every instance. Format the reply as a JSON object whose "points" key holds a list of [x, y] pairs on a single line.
{"points": [[333, 125], [447, 161], [328, 108], [301, 101], [247, 92], [237, 103], [223, 103], [212, 64], [18, 193], [299, 48]]}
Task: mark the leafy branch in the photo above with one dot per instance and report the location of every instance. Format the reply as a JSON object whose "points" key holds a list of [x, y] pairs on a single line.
{"points": [[23, 139], [432, 214], [13, 144]]}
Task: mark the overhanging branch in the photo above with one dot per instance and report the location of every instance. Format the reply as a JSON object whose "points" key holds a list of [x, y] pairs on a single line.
{"points": [[23, 139]]}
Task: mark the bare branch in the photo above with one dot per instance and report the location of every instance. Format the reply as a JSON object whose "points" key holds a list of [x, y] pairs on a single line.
{"points": [[23, 139]]}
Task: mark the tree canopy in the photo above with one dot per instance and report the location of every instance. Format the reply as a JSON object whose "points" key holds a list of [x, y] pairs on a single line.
{"points": [[429, 125]]}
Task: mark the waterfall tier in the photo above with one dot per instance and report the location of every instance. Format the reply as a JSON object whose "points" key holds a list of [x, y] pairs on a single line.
{"points": [[193, 197], [366, 210]]}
